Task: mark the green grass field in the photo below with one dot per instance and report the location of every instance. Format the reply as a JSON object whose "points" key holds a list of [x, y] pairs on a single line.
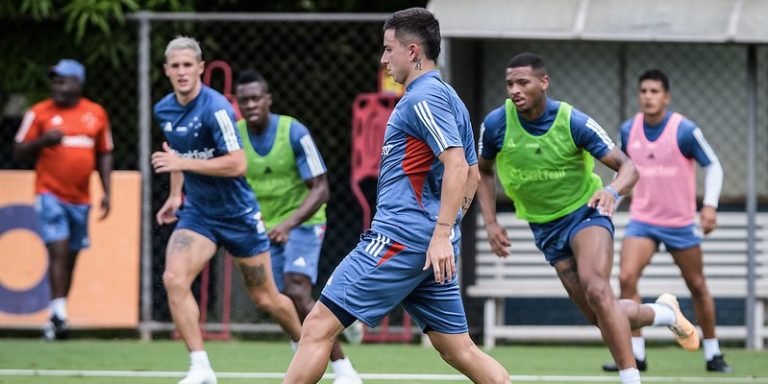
{"points": [[243, 361]]}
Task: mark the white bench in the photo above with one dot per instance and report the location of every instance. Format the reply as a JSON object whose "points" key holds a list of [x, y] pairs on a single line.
{"points": [[525, 274]]}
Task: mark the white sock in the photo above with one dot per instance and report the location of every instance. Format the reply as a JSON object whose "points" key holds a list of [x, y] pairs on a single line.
{"points": [[663, 315], [58, 307], [199, 359], [629, 376], [342, 366], [638, 347], [711, 348]]}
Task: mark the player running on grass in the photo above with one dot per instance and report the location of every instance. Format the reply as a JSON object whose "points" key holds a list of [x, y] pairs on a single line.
{"points": [[544, 151], [428, 178], [204, 154]]}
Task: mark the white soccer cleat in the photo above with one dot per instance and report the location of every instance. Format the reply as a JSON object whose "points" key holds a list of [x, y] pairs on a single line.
{"points": [[197, 375], [354, 333], [685, 333], [348, 378]]}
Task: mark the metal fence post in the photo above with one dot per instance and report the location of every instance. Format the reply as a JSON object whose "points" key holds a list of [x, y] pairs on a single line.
{"points": [[146, 173], [751, 88]]}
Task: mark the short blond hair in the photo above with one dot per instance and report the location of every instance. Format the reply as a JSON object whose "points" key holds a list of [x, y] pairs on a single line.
{"points": [[184, 42]]}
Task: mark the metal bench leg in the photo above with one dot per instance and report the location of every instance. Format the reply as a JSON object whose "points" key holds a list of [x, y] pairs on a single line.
{"points": [[760, 326], [489, 320]]}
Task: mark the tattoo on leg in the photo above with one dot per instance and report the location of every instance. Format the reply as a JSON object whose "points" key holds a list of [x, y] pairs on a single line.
{"points": [[180, 242], [254, 276]]}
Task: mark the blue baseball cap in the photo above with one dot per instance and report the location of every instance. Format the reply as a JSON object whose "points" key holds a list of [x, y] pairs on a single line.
{"points": [[69, 67]]}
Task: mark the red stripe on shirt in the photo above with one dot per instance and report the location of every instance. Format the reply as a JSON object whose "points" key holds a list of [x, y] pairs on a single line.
{"points": [[417, 162]]}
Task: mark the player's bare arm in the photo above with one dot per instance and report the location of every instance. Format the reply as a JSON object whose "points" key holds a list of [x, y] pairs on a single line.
{"points": [[440, 251], [604, 200], [319, 193], [167, 213], [232, 164], [104, 166], [28, 151], [473, 180], [486, 196]]}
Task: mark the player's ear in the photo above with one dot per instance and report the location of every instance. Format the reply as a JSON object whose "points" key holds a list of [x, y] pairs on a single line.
{"points": [[414, 51], [544, 82]]}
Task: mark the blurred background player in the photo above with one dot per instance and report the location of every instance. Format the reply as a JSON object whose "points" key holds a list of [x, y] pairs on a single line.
{"points": [[204, 154], [545, 151], [68, 136], [664, 145], [428, 178], [289, 177]]}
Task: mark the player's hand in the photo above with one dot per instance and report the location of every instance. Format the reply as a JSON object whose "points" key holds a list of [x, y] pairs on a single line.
{"points": [[167, 214], [166, 160], [440, 258], [105, 206], [603, 201], [52, 137], [708, 219], [497, 236], [279, 234]]}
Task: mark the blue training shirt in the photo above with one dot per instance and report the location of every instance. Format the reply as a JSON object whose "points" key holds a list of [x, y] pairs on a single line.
{"points": [[690, 140], [204, 129], [586, 132], [309, 161], [427, 120]]}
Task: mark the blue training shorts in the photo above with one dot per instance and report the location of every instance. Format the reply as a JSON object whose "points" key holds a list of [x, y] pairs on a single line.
{"points": [[60, 220], [300, 254], [673, 238], [241, 236], [554, 238], [381, 273]]}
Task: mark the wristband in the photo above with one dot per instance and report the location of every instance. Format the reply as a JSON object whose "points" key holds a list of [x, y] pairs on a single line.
{"points": [[445, 224], [611, 190]]}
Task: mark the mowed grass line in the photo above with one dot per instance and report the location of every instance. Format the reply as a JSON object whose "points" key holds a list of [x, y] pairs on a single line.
{"points": [[246, 356]]}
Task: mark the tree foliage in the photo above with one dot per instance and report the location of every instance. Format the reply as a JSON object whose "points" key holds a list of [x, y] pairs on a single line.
{"points": [[42, 31], [39, 32]]}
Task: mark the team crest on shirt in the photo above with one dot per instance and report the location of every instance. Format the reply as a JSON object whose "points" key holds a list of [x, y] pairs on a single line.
{"points": [[168, 127], [386, 149], [90, 120], [56, 120]]}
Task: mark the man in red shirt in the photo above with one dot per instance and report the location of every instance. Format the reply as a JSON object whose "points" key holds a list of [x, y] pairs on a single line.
{"points": [[68, 136]]}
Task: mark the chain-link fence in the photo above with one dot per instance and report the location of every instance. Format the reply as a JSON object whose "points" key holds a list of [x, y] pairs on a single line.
{"points": [[707, 84]]}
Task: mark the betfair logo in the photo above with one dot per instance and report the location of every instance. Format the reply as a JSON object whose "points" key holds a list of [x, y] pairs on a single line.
{"points": [[525, 175]]}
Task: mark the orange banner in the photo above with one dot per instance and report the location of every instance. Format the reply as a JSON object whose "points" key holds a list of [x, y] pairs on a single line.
{"points": [[105, 287]]}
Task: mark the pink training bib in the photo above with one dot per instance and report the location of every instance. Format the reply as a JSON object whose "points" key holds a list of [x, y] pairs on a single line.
{"points": [[665, 194]]}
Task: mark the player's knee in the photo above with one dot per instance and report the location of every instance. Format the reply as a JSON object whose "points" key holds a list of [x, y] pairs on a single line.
{"points": [[698, 287], [628, 281], [173, 281], [597, 292], [262, 298], [297, 293], [317, 328]]}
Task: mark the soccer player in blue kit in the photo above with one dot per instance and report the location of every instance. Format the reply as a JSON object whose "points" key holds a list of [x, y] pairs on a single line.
{"points": [[428, 178], [204, 154]]}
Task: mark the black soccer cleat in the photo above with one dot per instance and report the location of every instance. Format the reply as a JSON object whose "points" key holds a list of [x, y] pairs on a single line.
{"points": [[718, 364], [56, 329], [642, 365]]}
